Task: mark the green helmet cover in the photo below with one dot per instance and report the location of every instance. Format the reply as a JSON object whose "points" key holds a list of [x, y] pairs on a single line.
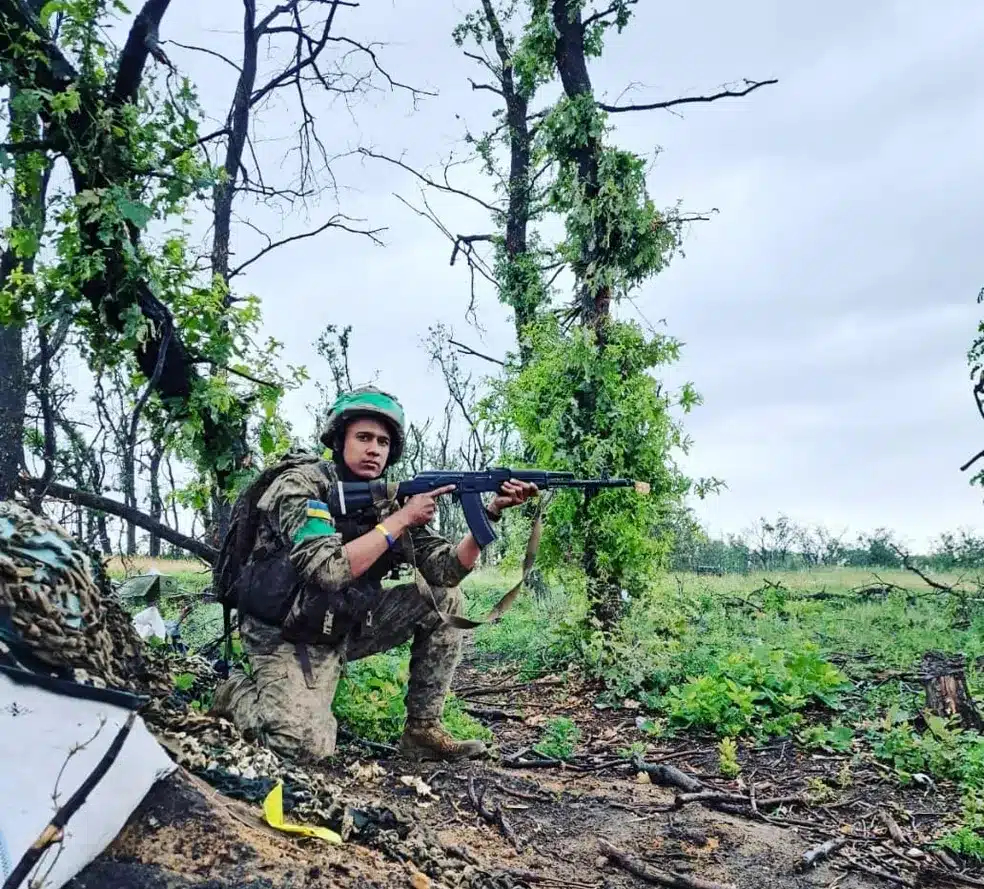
{"points": [[366, 401]]}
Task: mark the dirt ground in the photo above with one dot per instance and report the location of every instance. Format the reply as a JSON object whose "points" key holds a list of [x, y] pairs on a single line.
{"points": [[519, 820]]}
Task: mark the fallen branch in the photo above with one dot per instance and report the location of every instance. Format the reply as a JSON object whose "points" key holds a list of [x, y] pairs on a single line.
{"points": [[884, 874], [715, 796], [821, 852], [651, 875], [491, 712], [495, 817], [527, 876], [529, 797], [667, 776], [477, 691], [894, 831], [55, 830], [963, 879], [388, 749], [113, 507], [516, 761], [925, 578]]}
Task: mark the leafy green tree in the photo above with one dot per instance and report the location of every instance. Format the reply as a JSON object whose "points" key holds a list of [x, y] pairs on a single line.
{"points": [[587, 399]]}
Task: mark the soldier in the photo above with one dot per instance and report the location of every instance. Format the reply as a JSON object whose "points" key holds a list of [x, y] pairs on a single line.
{"points": [[340, 611]]}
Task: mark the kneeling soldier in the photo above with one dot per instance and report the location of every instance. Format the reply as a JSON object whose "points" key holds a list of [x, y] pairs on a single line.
{"points": [[339, 610]]}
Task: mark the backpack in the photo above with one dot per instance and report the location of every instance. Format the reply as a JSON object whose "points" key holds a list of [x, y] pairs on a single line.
{"points": [[264, 583]]}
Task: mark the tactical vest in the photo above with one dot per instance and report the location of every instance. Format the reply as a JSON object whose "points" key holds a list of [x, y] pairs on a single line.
{"points": [[269, 589]]}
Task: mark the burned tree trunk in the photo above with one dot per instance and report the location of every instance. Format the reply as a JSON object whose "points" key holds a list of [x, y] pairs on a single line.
{"points": [[156, 503], [947, 695]]}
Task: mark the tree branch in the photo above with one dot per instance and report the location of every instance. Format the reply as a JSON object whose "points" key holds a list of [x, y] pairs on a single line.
{"points": [[468, 350], [428, 181], [207, 51], [751, 86], [486, 86], [907, 564], [122, 511], [331, 223], [54, 72], [140, 42], [598, 16]]}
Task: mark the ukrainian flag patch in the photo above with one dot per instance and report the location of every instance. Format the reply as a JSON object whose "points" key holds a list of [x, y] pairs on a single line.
{"points": [[317, 524], [318, 510]]}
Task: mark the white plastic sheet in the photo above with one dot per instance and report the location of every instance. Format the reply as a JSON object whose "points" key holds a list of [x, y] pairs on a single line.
{"points": [[150, 623], [38, 729]]}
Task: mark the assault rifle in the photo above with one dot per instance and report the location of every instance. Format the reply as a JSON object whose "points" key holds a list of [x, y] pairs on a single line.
{"points": [[469, 486]]}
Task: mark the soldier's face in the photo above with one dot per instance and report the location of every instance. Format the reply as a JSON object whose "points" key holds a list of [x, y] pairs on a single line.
{"points": [[367, 447]]}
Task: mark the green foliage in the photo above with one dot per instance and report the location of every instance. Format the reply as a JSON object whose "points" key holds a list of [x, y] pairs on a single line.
{"points": [[184, 681], [460, 725], [942, 751], [370, 700], [835, 738], [728, 763], [370, 696], [762, 688], [560, 736], [626, 431], [122, 223], [968, 838]]}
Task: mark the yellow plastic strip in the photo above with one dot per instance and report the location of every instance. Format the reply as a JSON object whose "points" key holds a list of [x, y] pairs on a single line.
{"points": [[273, 811]]}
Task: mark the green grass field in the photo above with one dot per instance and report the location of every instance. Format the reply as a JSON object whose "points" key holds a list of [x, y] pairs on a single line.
{"points": [[828, 658]]}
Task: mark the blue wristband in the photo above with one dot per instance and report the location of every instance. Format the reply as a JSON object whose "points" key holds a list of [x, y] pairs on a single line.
{"points": [[389, 540]]}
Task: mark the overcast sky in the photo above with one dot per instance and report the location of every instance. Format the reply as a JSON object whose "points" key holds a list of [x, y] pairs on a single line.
{"points": [[826, 309]]}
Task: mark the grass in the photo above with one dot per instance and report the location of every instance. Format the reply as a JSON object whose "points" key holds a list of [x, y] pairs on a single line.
{"points": [[192, 574], [824, 657]]}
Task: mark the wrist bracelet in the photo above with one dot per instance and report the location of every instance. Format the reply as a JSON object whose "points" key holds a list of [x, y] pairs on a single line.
{"points": [[389, 539], [493, 516]]}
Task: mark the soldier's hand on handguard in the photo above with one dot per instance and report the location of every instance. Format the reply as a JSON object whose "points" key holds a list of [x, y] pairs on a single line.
{"points": [[513, 494], [420, 508]]}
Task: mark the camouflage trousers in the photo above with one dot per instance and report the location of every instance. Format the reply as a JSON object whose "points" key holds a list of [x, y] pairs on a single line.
{"points": [[273, 704]]}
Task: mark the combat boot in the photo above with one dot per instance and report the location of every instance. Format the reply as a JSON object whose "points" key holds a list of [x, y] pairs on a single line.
{"points": [[427, 739]]}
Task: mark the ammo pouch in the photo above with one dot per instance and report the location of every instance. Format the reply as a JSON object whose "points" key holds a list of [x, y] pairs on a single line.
{"points": [[319, 618], [269, 589], [266, 586]]}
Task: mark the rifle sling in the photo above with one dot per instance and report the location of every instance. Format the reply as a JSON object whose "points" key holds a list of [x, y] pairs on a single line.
{"points": [[506, 602]]}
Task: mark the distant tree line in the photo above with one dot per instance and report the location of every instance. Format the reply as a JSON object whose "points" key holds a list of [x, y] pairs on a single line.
{"points": [[781, 544]]}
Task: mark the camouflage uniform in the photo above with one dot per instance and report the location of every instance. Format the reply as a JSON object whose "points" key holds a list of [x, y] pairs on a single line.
{"points": [[274, 703]]}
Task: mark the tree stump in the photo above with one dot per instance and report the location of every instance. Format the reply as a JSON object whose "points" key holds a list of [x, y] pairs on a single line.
{"points": [[947, 695]]}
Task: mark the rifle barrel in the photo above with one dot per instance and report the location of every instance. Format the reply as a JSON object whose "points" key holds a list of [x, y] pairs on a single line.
{"points": [[591, 483]]}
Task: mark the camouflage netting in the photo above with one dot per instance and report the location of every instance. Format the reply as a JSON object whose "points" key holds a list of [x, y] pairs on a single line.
{"points": [[57, 606]]}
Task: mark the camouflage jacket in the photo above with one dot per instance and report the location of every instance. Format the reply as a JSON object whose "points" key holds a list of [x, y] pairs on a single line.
{"points": [[293, 509]]}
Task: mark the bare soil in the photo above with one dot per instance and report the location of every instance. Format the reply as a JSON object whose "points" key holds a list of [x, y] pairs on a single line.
{"points": [[516, 820]]}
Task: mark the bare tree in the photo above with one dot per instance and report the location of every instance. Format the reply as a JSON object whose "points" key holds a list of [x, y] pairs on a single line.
{"points": [[312, 57], [32, 171]]}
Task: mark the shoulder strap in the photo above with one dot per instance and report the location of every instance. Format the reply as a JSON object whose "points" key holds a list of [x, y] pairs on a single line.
{"points": [[237, 544], [506, 602]]}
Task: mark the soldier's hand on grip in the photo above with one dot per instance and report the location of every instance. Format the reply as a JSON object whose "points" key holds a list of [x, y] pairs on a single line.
{"points": [[420, 508]]}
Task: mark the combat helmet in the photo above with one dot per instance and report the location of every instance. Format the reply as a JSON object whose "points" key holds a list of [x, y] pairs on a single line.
{"points": [[366, 401]]}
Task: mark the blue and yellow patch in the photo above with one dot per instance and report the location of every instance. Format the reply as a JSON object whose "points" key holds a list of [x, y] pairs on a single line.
{"points": [[318, 510], [318, 524]]}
